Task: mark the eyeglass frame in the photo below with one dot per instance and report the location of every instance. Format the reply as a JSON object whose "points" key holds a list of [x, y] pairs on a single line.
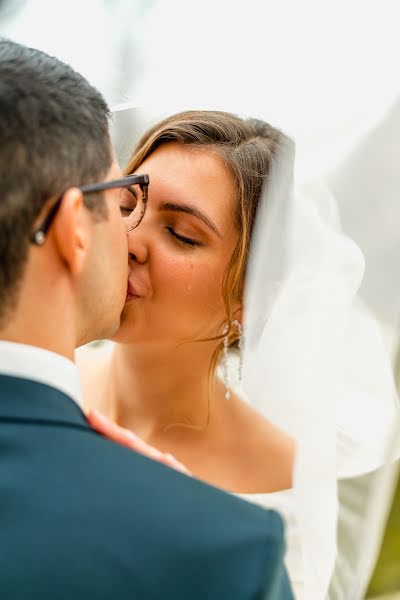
{"points": [[38, 237]]}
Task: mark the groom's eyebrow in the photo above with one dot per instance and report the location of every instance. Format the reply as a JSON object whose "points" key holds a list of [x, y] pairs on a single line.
{"points": [[190, 210]]}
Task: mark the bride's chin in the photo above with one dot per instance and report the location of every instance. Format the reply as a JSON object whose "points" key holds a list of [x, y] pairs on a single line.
{"points": [[123, 335], [125, 332]]}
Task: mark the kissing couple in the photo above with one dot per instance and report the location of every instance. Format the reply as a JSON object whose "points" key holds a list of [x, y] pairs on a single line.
{"points": [[154, 261]]}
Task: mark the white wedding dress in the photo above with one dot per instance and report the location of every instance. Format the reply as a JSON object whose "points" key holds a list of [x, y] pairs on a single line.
{"points": [[284, 503]]}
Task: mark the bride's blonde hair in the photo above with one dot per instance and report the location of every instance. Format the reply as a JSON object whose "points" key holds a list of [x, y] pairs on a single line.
{"points": [[247, 148]]}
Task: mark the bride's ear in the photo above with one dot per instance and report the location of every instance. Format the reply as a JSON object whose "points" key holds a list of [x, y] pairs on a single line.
{"points": [[72, 231]]}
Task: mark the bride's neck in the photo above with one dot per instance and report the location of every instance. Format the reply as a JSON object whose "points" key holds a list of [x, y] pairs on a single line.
{"points": [[152, 388]]}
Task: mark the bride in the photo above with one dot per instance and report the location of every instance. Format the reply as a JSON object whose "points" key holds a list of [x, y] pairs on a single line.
{"points": [[219, 182], [183, 315]]}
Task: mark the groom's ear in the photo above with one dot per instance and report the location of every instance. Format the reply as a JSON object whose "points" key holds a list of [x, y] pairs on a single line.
{"points": [[73, 231]]}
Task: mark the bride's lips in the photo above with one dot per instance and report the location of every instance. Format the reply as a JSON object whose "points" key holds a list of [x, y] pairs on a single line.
{"points": [[132, 293]]}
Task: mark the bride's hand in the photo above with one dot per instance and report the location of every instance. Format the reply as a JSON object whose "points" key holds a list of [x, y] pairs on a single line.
{"points": [[127, 438]]}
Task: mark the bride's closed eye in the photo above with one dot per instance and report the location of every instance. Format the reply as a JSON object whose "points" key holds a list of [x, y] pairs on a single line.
{"points": [[183, 239], [125, 210], [127, 202]]}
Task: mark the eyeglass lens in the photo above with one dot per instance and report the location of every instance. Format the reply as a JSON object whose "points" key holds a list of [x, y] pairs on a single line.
{"points": [[132, 206]]}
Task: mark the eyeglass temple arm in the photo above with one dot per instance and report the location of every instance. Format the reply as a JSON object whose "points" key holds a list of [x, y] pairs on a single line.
{"points": [[39, 236]]}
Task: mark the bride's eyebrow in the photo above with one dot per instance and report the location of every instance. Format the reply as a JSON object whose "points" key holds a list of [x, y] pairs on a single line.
{"points": [[190, 210]]}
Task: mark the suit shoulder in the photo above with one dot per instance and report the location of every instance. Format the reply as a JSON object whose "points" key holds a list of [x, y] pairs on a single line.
{"points": [[133, 473]]}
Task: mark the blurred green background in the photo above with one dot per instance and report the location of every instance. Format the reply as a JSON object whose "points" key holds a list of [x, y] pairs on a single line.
{"points": [[386, 577]]}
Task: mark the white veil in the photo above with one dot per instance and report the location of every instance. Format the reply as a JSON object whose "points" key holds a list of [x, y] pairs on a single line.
{"points": [[303, 326], [302, 279], [366, 186], [315, 364]]}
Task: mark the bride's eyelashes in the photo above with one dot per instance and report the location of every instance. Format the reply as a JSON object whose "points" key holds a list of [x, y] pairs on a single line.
{"points": [[183, 239], [125, 210]]}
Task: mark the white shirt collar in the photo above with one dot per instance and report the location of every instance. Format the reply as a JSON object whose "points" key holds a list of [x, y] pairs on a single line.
{"points": [[37, 364]]}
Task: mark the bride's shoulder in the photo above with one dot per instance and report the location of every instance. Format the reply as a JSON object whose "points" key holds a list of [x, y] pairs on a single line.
{"points": [[268, 449], [265, 434]]}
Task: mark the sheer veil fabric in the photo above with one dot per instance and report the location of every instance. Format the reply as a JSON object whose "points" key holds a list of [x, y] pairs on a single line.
{"points": [[309, 341], [317, 366], [366, 186], [302, 278]]}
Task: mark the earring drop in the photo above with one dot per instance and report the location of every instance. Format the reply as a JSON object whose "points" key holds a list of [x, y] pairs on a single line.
{"points": [[225, 366], [225, 363], [240, 347]]}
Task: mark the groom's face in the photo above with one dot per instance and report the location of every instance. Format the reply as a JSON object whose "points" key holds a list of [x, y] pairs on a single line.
{"points": [[104, 283]]}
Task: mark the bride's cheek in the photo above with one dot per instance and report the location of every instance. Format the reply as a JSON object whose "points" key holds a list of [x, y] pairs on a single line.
{"points": [[176, 276], [194, 277], [203, 285]]}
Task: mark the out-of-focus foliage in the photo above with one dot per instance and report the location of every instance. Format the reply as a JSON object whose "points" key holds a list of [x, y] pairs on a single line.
{"points": [[386, 577]]}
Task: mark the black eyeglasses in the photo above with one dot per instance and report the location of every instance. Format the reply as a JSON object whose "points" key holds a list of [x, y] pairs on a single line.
{"points": [[133, 203]]}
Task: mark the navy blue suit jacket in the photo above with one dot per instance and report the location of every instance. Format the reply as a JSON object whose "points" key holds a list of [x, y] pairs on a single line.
{"points": [[81, 517]]}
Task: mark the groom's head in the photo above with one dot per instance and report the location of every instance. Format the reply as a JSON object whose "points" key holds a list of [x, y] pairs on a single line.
{"points": [[54, 138]]}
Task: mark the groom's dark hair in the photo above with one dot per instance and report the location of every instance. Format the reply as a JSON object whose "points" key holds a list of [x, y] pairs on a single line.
{"points": [[53, 135]]}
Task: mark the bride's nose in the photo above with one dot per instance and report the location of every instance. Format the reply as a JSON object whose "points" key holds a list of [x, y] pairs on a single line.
{"points": [[137, 246]]}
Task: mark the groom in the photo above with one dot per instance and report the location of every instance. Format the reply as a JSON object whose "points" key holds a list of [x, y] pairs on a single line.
{"points": [[81, 517]]}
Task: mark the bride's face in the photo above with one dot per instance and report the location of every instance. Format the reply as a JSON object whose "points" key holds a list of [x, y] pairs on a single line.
{"points": [[180, 251]]}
